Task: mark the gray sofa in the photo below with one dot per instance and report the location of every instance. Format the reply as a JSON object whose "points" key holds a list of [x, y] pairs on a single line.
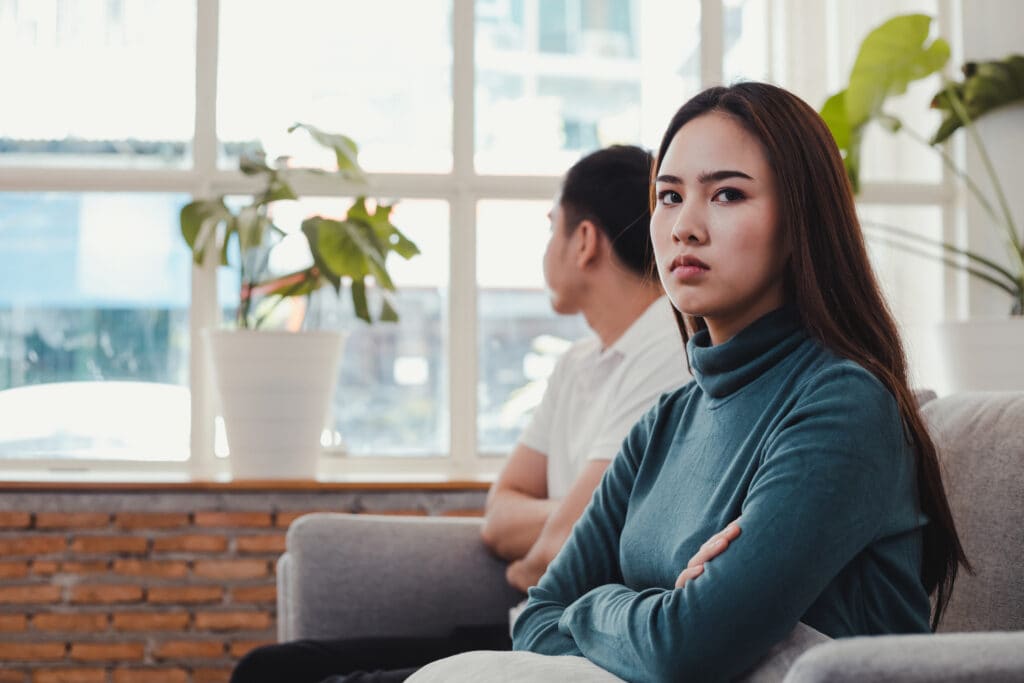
{"points": [[361, 575]]}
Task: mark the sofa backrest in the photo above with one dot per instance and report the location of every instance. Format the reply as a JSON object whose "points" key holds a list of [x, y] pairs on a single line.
{"points": [[980, 438]]}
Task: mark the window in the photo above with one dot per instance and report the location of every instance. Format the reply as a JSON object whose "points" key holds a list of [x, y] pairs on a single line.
{"points": [[466, 111]]}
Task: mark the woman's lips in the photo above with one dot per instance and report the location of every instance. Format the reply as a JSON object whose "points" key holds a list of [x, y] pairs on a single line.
{"points": [[688, 268]]}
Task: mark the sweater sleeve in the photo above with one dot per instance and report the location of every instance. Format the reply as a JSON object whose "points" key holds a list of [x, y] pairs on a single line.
{"points": [[589, 558], [819, 497]]}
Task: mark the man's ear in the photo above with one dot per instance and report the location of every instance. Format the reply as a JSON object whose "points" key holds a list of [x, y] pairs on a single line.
{"points": [[588, 247]]}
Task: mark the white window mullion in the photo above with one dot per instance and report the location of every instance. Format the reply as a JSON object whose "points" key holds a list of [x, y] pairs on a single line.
{"points": [[462, 327], [203, 313], [711, 43]]}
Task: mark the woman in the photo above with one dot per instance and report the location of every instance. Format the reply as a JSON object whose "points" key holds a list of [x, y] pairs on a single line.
{"points": [[800, 421]]}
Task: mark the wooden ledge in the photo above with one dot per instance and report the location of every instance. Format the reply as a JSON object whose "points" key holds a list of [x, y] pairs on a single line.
{"points": [[312, 485]]}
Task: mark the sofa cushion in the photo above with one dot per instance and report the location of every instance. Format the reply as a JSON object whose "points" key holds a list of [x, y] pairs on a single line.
{"points": [[980, 438]]}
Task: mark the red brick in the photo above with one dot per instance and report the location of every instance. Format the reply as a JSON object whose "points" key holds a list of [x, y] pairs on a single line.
{"points": [[31, 652], [10, 623], [12, 676], [70, 676], [189, 649], [70, 622], [240, 648], [151, 621], [15, 520], [109, 544], [231, 569], [72, 520], [31, 545], [233, 519], [24, 595], [100, 652], [151, 520], [185, 594], [232, 621], [211, 675], [254, 594], [190, 543], [463, 513], [162, 569], [396, 513], [266, 543], [105, 594], [150, 676], [44, 568], [95, 567], [13, 570], [284, 519]]}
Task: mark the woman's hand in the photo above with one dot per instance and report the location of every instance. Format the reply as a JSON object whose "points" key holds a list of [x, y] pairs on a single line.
{"points": [[714, 547]]}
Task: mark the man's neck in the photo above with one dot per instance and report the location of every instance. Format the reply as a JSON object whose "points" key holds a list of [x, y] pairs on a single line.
{"points": [[611, 310]]}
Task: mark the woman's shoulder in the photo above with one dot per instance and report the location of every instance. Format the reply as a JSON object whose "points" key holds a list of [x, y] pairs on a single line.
{"points": [[844, 387]]}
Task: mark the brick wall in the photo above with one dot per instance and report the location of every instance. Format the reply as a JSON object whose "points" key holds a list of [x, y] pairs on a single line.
{"points": [[168, 587]]}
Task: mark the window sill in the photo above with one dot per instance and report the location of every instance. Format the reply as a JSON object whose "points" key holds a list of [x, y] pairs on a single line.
{"points": [[44, 480]]}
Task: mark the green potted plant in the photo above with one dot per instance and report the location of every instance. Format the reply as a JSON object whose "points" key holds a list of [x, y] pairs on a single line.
{"points": [[276, 386], [892, 56]]}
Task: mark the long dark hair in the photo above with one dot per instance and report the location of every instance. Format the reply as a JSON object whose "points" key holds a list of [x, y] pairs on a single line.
{"points": [[609, 188], [830, 279]]}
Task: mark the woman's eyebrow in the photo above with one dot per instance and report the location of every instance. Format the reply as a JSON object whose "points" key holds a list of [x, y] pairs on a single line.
{"points": [[703, 178], [712, 177]]}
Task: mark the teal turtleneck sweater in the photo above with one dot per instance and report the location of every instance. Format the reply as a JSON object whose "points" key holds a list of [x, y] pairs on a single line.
{"points": [[808, 449]]}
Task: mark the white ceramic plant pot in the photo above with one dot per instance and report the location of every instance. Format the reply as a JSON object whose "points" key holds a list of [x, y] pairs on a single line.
{"points": [[276, 390], [983, 355]]}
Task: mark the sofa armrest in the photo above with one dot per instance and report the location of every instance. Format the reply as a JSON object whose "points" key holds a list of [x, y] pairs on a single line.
{"points": [[346, 576], [996, 656]]}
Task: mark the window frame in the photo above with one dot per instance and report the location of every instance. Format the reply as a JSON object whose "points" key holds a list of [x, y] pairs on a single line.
{"points": [[461, 188]]}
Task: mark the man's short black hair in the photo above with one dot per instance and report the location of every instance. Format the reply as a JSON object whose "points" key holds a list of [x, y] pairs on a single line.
{"points": [[611, 188]]}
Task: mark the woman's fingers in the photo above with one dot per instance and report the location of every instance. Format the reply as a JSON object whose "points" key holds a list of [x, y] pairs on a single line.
{"points": [[689, 573], [714, 546]]}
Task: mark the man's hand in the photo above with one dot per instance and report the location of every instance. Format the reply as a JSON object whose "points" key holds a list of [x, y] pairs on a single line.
{"points": [[524, 573], [714, 547]]}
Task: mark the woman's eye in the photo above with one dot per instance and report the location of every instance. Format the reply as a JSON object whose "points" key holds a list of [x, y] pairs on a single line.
{"points": [[669, 197], [728, 194]]}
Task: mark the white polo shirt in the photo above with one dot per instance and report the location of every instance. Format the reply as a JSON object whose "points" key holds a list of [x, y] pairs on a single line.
{"points": [[595, 396]]}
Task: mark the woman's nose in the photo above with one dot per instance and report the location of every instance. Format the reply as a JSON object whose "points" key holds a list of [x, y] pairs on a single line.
{"points": [[689, 227]]}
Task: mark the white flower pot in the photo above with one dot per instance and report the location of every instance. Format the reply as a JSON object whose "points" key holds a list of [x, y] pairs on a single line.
{"points": [[276, 390], [983, 355]]}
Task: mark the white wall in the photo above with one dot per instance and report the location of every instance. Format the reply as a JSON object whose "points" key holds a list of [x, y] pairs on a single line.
{"points": [[992, 30]]}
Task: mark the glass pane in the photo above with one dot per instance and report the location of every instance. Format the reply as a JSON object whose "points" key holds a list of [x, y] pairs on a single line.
{"points": [[888, 157], [97, 83], [379, 72], [392, 396], [913, 284], [520, 337], [745, 25], [557, 79], [93, 326]]}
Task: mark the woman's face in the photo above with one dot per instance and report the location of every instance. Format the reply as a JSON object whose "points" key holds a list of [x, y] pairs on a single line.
{"points": [[715, 228]]}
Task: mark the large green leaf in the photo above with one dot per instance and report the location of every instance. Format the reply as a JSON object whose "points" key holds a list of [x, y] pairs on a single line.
{"points": [[349, 248], [986, 86], [359, 303], [345, 149], [253, 162], [250, 225], [311, 229], [199, 224], [891, 56], [387, 233]]}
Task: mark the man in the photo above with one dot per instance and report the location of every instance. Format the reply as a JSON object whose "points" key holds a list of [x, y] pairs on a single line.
{"points": [[598, 262]]}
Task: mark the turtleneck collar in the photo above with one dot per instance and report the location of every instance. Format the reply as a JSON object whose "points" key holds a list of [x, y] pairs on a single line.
{"points": [[728, 367]]}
